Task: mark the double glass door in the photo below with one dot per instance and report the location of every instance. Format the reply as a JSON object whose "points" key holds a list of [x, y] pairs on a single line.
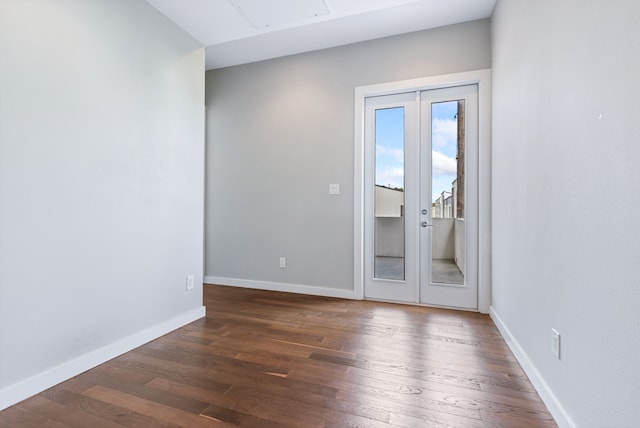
{"points": [[421, 197]]}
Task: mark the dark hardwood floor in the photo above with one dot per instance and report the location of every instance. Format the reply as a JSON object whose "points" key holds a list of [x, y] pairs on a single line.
{"points": [[266, 359]]}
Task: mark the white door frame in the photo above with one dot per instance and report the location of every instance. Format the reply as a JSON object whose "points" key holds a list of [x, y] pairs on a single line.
{"points": [[483, 79]]}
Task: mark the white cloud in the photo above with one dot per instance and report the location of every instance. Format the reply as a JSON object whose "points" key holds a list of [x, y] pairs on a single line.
{"points": [[443, 165], [444, 132], [396, 154], [393, 177]]}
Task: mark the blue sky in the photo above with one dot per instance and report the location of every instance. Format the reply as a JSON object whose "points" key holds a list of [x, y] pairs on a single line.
{"points": [[390, 147]]}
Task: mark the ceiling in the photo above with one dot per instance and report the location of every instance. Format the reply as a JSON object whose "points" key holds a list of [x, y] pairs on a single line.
{"points": [[242, 31]]}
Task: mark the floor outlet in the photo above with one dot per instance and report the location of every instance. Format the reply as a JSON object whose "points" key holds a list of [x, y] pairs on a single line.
{"points": [[283, 262], [555, 343], [190, 282]]}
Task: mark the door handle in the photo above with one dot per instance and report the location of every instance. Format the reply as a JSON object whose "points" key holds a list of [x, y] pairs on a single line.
{"points": [[426, 224]]}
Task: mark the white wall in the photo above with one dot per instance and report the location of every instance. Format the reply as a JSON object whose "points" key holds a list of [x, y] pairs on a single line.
{"points": [[443, 238], [460, 238], [280, 131], [566, 150], [389, 236], [389, 222], [101, 183], [388, 202]]}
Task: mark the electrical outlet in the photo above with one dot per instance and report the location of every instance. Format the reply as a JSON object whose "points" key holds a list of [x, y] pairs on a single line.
{"points": [[283, 262], [334, 189], [190, 282], [555, 343]]}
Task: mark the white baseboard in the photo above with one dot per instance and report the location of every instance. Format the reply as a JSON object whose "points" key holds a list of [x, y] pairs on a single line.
{"points": [[546, 394], [38, 383], [280, 286]]}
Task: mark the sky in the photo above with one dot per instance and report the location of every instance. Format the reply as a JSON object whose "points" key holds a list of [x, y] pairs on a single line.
{"points": [[390, 147]]}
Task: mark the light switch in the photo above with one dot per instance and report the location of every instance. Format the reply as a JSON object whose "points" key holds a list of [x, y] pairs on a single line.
{"points": [[334, 189]]}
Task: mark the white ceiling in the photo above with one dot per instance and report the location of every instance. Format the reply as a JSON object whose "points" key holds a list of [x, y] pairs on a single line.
{"points": [[242, 31]]}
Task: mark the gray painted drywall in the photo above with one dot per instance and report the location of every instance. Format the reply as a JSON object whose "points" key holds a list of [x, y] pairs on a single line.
{"points": [[280, 131], [566, 181], [101, 177]]}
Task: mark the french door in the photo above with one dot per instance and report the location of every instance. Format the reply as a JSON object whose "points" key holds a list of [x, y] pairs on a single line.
{"points": [[421, 197]]}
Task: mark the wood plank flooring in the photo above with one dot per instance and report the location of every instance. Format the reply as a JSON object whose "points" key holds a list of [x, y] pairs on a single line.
{"points": [[267, 359]]}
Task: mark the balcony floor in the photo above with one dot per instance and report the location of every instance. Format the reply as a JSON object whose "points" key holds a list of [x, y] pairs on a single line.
{"points": [[444, 270]]}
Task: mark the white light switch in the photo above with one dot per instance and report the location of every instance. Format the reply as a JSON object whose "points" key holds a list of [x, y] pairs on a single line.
{"points": [[334, 189]]}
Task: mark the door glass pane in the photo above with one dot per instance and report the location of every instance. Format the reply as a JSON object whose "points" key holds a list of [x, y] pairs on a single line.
{"points": [[389, 194], [447, 190]]}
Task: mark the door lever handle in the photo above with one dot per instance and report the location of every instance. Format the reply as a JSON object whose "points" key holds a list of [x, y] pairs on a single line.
{"points": [[425, 224]]}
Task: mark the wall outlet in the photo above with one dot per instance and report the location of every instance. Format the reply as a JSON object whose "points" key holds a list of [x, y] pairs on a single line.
{"points": [[283, 262], [190, 282], [555, 343], [334, 189]]}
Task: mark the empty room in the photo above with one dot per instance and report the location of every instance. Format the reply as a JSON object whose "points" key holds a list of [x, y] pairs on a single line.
{"points": [[319, 213]]}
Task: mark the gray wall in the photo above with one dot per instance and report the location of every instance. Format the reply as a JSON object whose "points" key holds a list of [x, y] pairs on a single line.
{"points": [[101, 178], [566, 151], [280, 131]]}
